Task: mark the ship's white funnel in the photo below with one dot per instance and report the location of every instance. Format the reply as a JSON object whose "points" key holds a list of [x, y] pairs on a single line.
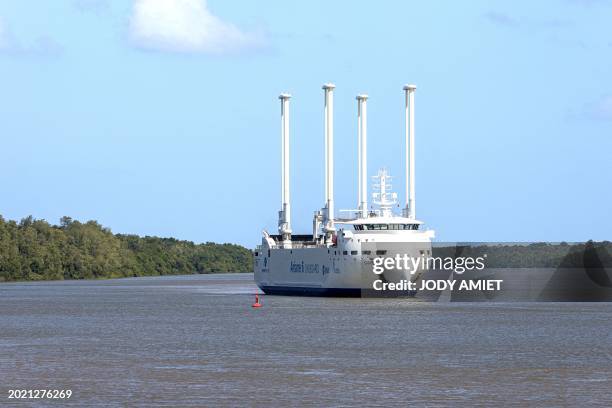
{"points": [[329, 160], [362, 130], [284, 215], [410, 210]]}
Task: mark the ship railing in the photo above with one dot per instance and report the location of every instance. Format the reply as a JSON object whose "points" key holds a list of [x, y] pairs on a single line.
{"points": [[294, 245], [305, 244]]}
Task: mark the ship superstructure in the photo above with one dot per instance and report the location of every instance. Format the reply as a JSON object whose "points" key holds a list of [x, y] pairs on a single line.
{"points": [[337, 258]]}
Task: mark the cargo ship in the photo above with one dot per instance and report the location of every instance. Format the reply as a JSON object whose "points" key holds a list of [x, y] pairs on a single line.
{"points": [[336, 258]]}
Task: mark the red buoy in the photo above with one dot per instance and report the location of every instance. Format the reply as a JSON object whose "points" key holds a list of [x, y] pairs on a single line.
{"points": [[256, 304]]}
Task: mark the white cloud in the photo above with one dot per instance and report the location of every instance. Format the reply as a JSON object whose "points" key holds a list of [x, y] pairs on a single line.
{"points": [[186, 26], [36, 46]]}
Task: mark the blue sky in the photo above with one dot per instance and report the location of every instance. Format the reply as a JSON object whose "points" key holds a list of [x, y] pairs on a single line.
{"points": [[161, 117]]}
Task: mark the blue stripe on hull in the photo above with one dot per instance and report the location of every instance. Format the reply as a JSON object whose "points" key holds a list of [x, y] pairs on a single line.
{"points": [[333, 292], [305, 291]]}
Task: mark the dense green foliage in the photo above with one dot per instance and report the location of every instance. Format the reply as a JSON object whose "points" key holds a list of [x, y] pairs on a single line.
{"points": [[35, 250]]}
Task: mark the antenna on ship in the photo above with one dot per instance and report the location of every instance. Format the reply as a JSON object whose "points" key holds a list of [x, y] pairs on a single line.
{"points": [[410, 211], [383, 197], [284, 215]]}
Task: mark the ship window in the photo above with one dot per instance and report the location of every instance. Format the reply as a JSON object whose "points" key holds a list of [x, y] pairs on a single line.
{"points": [[413, 227], [256, 253], [376, 226], [268, 253], [381, 252], [354, 252], [366, 252], [344, 252]]}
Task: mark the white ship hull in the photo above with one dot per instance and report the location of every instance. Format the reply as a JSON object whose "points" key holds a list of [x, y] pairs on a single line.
{"points": [[342, 270]]}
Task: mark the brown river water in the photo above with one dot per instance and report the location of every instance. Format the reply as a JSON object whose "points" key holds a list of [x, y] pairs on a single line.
{"points": [[196, 341]]}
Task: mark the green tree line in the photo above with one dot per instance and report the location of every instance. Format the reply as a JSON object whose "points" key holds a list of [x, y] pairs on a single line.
{"points": [[36, 250]]}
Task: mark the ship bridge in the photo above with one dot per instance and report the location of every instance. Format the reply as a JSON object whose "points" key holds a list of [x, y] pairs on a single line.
{"points": [[383, 223], [381, 218]]}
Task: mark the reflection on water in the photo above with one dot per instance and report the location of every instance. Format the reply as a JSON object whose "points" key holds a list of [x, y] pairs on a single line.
{"points": [[195, 340]]}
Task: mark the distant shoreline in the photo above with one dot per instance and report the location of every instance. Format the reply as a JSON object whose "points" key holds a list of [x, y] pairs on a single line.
{"points": [[102, 279], [34, 250]]}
